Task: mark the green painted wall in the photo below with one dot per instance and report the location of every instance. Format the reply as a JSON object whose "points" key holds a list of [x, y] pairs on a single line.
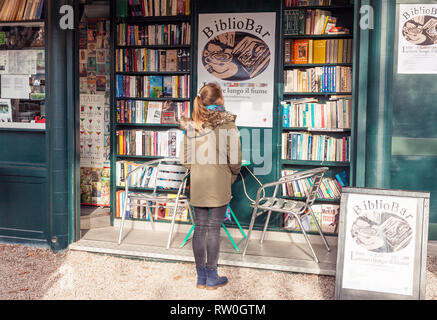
{"points": [[414, 142]]}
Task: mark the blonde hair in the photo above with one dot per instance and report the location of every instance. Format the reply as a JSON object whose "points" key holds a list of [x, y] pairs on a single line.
{"points": [[209, 94]]}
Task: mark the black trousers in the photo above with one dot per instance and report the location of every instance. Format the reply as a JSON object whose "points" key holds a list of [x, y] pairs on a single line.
{"points": [[206, 238]]}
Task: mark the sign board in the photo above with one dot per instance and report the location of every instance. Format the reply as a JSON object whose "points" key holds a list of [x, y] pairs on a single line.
{"points": [[237, 51], [382, 244], [417, 32]]}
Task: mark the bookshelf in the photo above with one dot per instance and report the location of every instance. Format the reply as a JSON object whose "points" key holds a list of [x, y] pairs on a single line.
{"points": [[317, 84], [147, 47]]}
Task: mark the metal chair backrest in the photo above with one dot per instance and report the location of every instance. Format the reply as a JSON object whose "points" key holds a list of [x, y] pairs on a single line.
{"points": [[170, 176], [315, 175]]}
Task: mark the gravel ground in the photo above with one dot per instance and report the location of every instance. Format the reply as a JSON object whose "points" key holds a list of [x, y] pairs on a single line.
{"points": [[28, 273]]}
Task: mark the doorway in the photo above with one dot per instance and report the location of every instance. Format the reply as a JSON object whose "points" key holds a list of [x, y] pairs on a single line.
{"points": [[93, 34]]}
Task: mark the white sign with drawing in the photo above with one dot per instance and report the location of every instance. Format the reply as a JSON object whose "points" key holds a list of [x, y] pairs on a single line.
{"points": [[237, 50], [380, 243], [417, 49]]}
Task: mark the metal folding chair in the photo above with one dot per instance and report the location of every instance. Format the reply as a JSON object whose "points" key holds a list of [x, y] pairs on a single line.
{"points": [[298, 209], [171, 176]]}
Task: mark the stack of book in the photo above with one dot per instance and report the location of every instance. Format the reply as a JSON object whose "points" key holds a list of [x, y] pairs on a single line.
{"points": [[147, 112], [152, 86], [301, 3], [146, 60], [328, 79], [142, 178], [309, 113], [149, 143], [150, 8], [327, 216], [298, 22], [330, 188], [17, 10], [308, 51], [309, 147], [164, 34], [162, 212]]}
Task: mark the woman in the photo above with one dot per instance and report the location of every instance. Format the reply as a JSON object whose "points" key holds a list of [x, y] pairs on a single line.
{"points": [[212, 153]]}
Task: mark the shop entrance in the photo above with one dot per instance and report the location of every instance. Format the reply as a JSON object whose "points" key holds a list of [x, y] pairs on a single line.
{"points": [[93, 59]]}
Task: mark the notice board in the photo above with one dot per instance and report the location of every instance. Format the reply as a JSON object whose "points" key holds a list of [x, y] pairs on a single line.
{"points": [[382, 244]]}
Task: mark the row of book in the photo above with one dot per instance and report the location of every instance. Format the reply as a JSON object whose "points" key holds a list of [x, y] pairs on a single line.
{"points": [[154, 34], [18, 10], [148, 112], [149, 143], [306, 146], [152, 86], [307, 51], [311, 22], [310, 113], [327, 216], [150, 8], [142, 178], [146, 60], [302, 3], [319, 79], [330, 188], [161, 212]]}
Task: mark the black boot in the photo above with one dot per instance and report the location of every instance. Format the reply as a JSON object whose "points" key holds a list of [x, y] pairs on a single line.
{"points": [[213, 281]]}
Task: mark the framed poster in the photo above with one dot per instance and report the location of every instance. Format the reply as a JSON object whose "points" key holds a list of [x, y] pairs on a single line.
{"points": [[417, 32], [237, 51], [382, 244]]}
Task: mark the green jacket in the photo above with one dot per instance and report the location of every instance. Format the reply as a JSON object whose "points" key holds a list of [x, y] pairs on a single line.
{"points": [[213, 156]]}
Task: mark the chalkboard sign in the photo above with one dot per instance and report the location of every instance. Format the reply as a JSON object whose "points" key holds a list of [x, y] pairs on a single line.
{"points": [[382, 244]]}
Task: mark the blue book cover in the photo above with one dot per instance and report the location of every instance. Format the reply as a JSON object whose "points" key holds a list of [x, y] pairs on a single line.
{"points": [[156, 84], [167, 86], [310, 146], [285, 114], [334, 76], [312, 115], [294, 146]]}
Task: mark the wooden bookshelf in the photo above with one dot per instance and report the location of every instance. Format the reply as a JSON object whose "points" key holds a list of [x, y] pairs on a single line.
{"points": [[345, 13]]}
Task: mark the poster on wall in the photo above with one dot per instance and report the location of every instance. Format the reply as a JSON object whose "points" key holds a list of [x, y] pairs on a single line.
{"points": [[92, 130], [417, 53], [382, 238], [237, 51]]}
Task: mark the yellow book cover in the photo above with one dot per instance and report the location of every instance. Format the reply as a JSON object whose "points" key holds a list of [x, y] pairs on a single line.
{"points": [[319, 51], [340, 51]]}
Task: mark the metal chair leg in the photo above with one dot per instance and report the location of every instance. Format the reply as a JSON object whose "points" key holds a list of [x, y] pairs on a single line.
{"points": [[306, 238], [252, 221], [265, 226], [320, 230], [123, 218], [172, 224]]}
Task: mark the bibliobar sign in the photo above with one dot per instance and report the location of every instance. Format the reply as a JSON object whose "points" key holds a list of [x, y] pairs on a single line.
{"points": [[417, 26], [383, 238], [237, 51]]}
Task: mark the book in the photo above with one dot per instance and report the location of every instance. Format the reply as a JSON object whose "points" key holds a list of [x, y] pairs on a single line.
{"points": [[319, 52], [169, 113], [156, 84], [154, 112], [301, 51], [330, 22]]}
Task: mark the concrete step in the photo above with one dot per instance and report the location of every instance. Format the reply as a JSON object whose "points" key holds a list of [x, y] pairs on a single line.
{"points": [[94, 217]]}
